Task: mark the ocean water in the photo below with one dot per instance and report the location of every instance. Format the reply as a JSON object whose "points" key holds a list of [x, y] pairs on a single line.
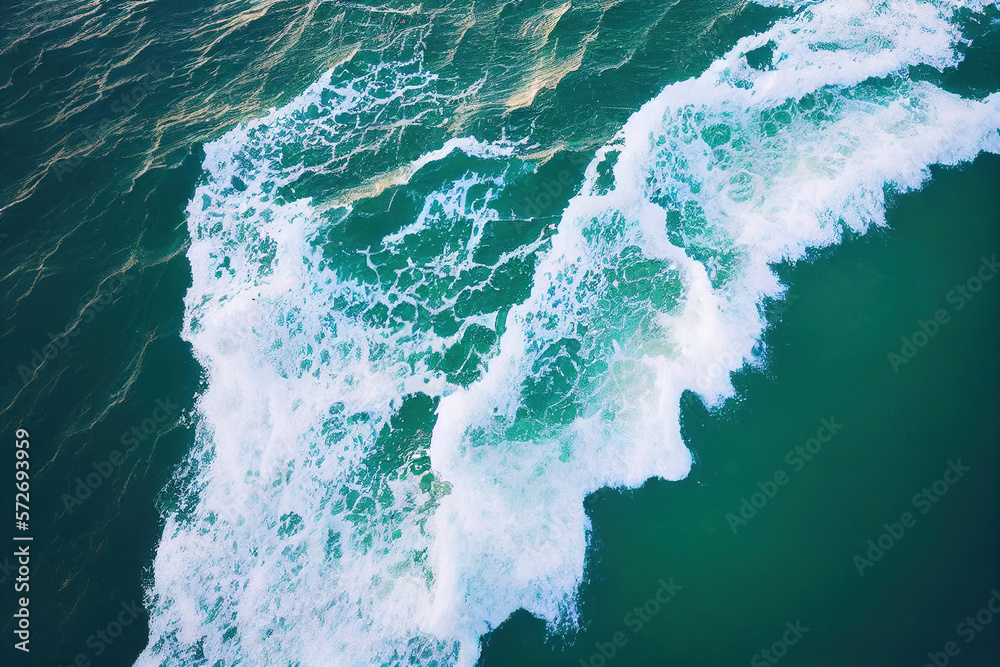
{"points": [[531, 333]]}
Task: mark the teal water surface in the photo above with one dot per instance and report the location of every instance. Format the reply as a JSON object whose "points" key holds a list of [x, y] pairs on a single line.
{"points": [[346, 334]]}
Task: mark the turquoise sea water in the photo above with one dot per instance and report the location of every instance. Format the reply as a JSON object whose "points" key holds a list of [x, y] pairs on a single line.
{"points": [[521, 334]]}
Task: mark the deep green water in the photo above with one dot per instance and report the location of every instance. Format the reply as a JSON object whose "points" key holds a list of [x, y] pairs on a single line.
{"points": [[138, 91], [794, 560]]}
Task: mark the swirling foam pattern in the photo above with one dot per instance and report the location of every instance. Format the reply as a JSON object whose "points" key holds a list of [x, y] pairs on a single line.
{"points": [[335, 306]]}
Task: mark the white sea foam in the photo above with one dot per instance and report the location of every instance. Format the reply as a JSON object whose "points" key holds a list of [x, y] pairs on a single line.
{"points": [[314, 537]]}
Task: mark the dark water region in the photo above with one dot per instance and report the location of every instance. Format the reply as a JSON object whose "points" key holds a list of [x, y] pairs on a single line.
{"points": [[103, 113], [788, 554]]}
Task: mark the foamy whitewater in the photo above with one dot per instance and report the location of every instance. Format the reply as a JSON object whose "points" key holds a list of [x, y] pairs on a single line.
{"points": [[320, 526]]}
